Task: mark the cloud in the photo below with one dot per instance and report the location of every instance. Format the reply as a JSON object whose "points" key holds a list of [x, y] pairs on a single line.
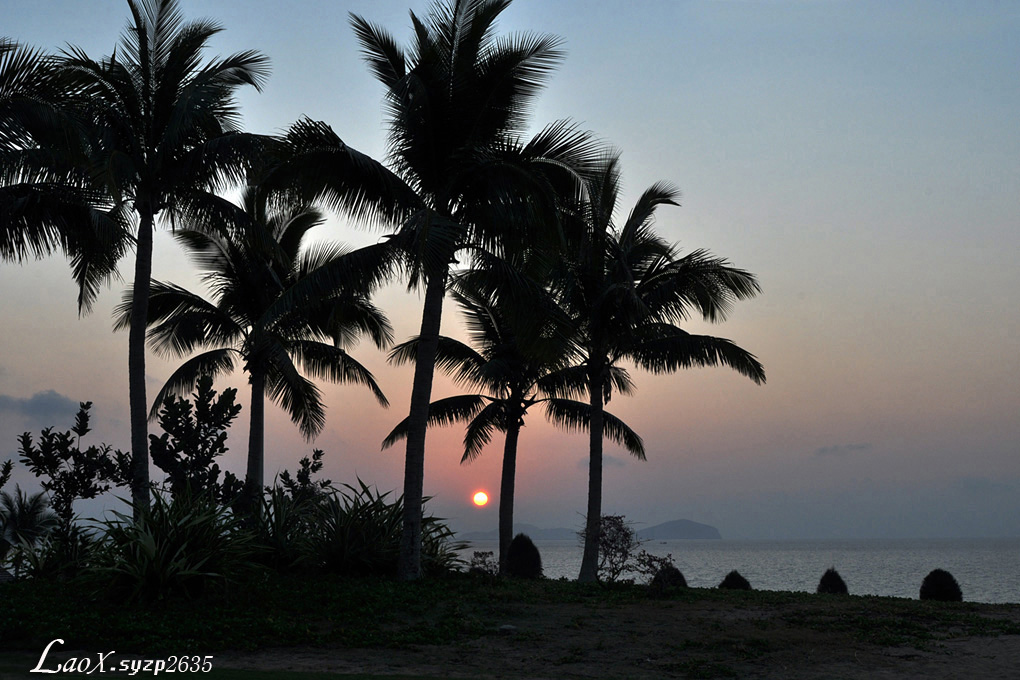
{"points": [[48, 408], [608, 461], [841, 449]]}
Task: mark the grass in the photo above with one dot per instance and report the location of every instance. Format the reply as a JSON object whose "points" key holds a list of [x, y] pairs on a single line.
{"points": [[713, 633]]}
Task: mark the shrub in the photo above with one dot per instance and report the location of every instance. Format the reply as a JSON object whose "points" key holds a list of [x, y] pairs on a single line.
{"points": [[832, 583], [523, 559], [357, 533], [64, 554], [940, 585], [734, 581], [186, 546], [668, 577], [484, 564], [617, 542]]}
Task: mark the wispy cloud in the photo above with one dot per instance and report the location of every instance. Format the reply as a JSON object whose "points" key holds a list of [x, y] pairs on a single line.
{"points": [[48, 408], [841, 449]]}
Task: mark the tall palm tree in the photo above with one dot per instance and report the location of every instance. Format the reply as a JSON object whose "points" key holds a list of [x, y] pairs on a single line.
{"points": [[457, 102], [626, 290], [47, 202], [166, 129], [250, 265], [515, 374]]}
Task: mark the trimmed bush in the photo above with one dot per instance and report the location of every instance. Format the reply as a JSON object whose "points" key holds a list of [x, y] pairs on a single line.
{"points": [[523, 559], [668, 577], [832, 583], [940, 585], [734, 581]]}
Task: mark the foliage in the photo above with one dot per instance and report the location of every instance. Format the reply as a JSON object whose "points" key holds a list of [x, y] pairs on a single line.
{"points": [[25, 520], [617, 543], [63, 554], [194, 435], [71, 473], [183, 545], [667, 577], [357, 533], [301, 487], [484, 564], [649, 565], [734, 581], [523, 559], [5, 472], [283, 529], [832, 583], [940, 585]]}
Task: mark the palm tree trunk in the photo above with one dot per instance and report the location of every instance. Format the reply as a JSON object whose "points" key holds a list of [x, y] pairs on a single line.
{"points": [[590, 558], [506, 491], [255, 478], [136, 364], [409, 566]]}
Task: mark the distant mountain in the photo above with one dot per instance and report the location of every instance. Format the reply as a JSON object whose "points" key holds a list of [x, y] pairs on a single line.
{"points": [[533, 532], [667, 531], [678, 529]]}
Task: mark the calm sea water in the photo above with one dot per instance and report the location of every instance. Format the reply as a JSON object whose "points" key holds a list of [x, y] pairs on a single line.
{"points": [[988, 570]]}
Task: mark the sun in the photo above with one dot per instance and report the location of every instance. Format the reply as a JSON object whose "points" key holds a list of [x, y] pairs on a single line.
{"points": [[480, 498]]}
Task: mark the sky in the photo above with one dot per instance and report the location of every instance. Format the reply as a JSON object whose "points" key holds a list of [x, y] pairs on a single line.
{"points": [[859, 157]]}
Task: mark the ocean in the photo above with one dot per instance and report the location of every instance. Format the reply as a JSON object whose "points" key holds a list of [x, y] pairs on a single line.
{"points": [[988, 570]]}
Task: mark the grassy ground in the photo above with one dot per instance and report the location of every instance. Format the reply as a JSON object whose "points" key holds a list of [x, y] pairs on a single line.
{"points": [[424, 629]]}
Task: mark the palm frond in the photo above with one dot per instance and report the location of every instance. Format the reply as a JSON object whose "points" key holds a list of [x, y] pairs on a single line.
{"points": [[442, 412], [576, 416]]}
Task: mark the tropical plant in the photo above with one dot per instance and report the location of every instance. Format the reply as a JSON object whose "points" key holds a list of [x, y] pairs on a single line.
{"points": [[734, 581], [462, 179], [48, 201], [182, 546], [165, 133], [523, 559], [832, 583], [194, 435], [516, 370], [358, 530], [5, 472], [940, 585], [252, 264], [25, 520], [617, 544], [626, 290], [70, 473]]}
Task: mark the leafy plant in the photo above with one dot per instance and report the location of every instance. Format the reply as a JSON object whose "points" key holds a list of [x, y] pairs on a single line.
{"points": [[25, 520], [484, 564], [357, 533], [194, 435], [523, 559], [63, 554], [179, 546], [617, 543], [5, 472], [301, 486], [940, 585], [68, 472]]}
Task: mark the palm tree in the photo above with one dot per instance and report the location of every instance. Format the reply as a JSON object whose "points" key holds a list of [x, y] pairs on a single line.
{"points": [[47, 202], [24, 520], [251, 265], [166, 133], [626, 290], [514, 374], [457, 103]]}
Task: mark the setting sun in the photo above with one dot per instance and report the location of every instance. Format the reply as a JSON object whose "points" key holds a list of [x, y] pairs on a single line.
{"points": [[480, 498]]}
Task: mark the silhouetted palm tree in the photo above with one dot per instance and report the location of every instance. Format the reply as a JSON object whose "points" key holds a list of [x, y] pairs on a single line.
{"points": [[47, 202], [166, 133], [24, 520], [457, 102], [514, 376], [626, 289], [253, 265]]}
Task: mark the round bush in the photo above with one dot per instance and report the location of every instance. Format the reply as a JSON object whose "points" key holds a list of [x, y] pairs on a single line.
{"points": [[523, 559], [668, 577], [940, 585], [734, 581], [832, 583]]}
